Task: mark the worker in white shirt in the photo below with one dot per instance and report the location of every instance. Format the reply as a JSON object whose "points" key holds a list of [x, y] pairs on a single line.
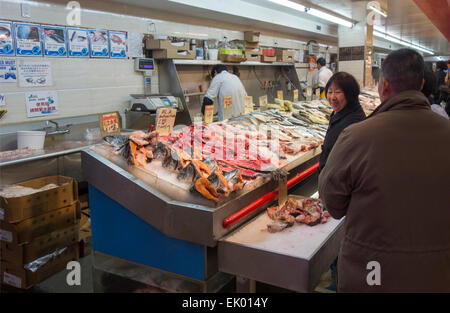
{"points": [[324, 74], [225, 84]]}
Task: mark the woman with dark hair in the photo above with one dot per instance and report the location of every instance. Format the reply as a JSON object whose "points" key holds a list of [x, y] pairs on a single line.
{"points": [[440, 73], [342, 91]]}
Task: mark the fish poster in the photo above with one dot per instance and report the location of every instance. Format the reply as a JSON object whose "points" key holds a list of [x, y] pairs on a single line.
{"points": [[54, 40], [28, 39], [99, 43], [41, 103], [32, 74], [6, 39], [8, 71], [78, 42], [118, 44]]}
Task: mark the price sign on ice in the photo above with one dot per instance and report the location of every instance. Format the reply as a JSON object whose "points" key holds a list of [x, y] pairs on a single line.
{"points": [[263, 101], [165, 120]]}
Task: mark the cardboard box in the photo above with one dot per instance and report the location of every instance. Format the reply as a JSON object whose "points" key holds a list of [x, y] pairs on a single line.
{"points": [[231, 58], [284, 55], [20, 208], [268, 52], [249, 56], [26, 230], [251, 36], [174, 54], [24, 279], [251, 45], [268, 59], [152, 44], [40, 246], [254, 51]]}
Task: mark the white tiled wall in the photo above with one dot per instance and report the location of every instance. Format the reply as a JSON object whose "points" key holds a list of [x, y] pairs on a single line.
{"points": [[90, 86]]}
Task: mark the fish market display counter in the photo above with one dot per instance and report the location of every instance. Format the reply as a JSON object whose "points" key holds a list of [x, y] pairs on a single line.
{"points": [[150, 226]]}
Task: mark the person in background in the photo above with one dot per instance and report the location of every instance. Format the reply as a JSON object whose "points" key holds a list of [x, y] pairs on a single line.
{"points": [[447, 77], [342, 92], [324, 74], [225, 84], [440, 74], [427, 89], [389, 177]]}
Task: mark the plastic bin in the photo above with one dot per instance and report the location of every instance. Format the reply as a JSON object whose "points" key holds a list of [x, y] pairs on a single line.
{"points": [[30, 139]]}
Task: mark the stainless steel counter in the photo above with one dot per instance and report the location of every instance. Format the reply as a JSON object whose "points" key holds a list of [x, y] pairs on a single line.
{"points": [[55, 150]]}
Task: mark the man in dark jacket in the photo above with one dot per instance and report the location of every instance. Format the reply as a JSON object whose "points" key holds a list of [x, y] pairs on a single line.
{"points": [[389, 176]]}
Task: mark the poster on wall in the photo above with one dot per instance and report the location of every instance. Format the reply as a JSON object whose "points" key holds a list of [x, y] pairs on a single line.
{"points": [[33, 74], [99, 43], [54, 40], [28, 39], [6, 39], [41, 103], [8, 71], [118, 44], [78, 42]]}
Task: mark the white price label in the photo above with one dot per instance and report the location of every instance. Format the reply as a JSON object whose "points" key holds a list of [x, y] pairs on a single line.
{"points": [[6, 236], [12, 280]]}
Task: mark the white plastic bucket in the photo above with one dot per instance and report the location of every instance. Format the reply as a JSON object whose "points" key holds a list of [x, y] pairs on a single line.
{"points": [[30, 139], [212, 54]]}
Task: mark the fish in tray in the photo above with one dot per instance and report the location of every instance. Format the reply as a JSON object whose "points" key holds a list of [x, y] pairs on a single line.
{"points": [[307, 211]]}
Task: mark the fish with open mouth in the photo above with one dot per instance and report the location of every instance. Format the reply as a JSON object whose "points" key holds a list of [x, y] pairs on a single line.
{"points": [[4, 33]]}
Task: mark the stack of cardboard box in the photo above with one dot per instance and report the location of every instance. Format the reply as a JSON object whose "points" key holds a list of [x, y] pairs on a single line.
{"points": [[39, 232], [268, 55], [284, 55], [166, 49], [252, 49]]}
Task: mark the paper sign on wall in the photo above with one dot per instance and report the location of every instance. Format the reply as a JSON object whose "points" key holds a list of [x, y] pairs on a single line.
{"points": [[99, 43], [165, 119], [78, 42], [28, 39], [41, 103], [54, 40], [280, 94], [109, 123], [2, 99], [33, 74], [295, 95], [6, 39], [227, 103], [8, 71], [263, 101], [118, 44], [209, 112]]}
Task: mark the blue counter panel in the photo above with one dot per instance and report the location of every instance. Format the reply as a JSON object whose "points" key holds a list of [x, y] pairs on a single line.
{"points": [[117, 231]]}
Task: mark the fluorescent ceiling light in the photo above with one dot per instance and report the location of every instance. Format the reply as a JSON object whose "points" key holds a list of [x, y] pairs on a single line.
{"points": [[378, 11], [315, 12], [401, 41], [329, 17], [290, 4]]}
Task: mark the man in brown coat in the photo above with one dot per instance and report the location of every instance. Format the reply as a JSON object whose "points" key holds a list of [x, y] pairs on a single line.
{"points": [[390, 177]]}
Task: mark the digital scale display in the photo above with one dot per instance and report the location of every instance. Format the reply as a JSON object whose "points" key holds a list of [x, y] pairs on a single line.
{"points": [[146, 64]]}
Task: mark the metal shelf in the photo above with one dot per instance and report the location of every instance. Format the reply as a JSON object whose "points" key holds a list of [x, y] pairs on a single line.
{"points": [[246, 63], [194, 94]]}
